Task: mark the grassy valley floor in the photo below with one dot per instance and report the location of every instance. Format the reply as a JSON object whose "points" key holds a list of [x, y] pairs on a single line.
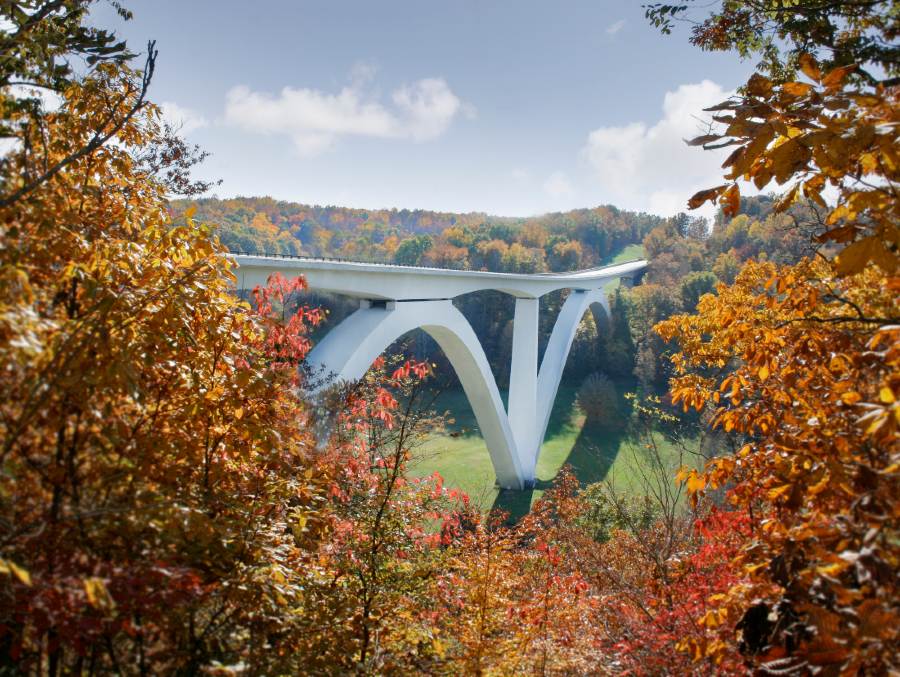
{"points": [[461, 457]]}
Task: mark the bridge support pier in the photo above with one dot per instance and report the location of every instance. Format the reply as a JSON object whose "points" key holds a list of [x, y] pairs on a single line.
{"points": [[522, 402], [349, 349], [406, 298]]}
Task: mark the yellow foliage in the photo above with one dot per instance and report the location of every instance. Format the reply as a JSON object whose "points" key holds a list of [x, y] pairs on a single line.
{"points": [[821, 436], [150, 449]]}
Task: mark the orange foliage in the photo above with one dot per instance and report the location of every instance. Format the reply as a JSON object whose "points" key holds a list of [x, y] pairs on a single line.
{"points": [[153, 449], [825, 132], [811, 381]]}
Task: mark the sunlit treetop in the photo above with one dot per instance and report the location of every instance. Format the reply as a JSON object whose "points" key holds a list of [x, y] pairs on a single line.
{"points": [[835, 32], [40, 40]]}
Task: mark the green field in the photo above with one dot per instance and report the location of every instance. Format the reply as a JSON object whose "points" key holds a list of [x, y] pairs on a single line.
{"points": [[461, 457], [628, 253]]}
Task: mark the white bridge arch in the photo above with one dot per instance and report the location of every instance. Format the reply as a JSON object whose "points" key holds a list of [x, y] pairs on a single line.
{"points": [[398, 299]]}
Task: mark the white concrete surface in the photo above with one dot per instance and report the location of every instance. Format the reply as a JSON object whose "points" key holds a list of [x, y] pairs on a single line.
{"points": [[556, 353], [349, 349], [390, 282], [523, 393], [419, 298]]}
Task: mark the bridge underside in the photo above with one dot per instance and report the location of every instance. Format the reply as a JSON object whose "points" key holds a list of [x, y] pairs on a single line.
{"points": [[420, 298]]}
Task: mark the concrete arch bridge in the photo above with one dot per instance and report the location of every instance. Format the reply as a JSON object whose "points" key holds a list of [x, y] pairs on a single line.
{"points": [[397, 299]]}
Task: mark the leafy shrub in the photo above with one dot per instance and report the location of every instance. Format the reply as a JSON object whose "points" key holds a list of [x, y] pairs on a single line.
{"points": [[606, 512], [599, 401]]}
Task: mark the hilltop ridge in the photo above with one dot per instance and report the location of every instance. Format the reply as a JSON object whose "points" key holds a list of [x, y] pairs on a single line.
{"points": [[548, 242]]}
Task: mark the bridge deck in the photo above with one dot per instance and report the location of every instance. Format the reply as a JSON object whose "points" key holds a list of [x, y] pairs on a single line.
{"points": [[391, 282]]}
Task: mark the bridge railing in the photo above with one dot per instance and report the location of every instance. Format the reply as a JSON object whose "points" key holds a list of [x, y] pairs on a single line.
{"points": [[337, 259], [307, 257]]}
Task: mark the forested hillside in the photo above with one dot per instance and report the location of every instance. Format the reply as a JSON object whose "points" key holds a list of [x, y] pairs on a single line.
{"points": [[687, 257], [554, 242]]}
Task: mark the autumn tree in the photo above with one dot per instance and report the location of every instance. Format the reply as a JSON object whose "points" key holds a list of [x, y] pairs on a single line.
{"points": [[39, 40], [817, 472], [695, 285], [801, 360], [367, 592], [154, 451], [509, 600], [820, 114], [590, 582], [599, 400], [835, 32]]}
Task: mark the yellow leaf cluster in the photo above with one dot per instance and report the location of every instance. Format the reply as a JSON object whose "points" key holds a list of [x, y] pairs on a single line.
{"points": [[147, 443]]}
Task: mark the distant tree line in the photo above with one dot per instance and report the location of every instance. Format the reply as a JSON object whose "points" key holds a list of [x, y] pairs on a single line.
{"points": [[474, 241]]}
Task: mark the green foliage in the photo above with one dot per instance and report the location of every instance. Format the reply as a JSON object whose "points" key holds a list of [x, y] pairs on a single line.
{"points": [[410, 251], [726, 267], [40, 38], [618, 338], [836, 32], [605, 512], [599, 400], [37, 41], [693, 286]]}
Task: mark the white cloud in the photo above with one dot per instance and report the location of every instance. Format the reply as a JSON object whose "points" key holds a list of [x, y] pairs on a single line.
{"points": [[520, 174], [315, 120], [650, 167], [50, 100], [183, 119], [428, 106], [614, 28], [8, 145], [558, 185]]}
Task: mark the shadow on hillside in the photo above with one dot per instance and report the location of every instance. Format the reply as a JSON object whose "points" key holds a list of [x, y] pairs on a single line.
{"points": [[460, 419], [591, 457], [561, 416], [455, 406]]}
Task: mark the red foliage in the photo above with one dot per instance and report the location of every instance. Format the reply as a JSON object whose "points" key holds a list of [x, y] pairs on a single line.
{"points": [[679, 614]]}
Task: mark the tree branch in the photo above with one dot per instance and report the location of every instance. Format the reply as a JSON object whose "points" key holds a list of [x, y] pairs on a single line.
{"points": [[99, 138]]}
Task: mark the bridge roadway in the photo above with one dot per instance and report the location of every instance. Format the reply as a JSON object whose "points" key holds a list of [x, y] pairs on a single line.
{"points": [[396, 299], [385, 282]]}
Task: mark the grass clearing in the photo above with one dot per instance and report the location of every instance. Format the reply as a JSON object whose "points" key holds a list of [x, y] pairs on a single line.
{"points": [[461, 457], [627, 253]]}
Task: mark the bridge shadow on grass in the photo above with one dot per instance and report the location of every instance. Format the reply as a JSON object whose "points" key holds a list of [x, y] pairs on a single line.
{"points": [[593, 454], [561, 416]]}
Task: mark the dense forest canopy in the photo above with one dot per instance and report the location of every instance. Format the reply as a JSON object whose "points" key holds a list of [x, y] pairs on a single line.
{"points": [[556, 242], [687, 256]]}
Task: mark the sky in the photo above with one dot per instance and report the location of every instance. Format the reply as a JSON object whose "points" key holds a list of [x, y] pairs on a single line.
{"points": [[510, 107]]}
